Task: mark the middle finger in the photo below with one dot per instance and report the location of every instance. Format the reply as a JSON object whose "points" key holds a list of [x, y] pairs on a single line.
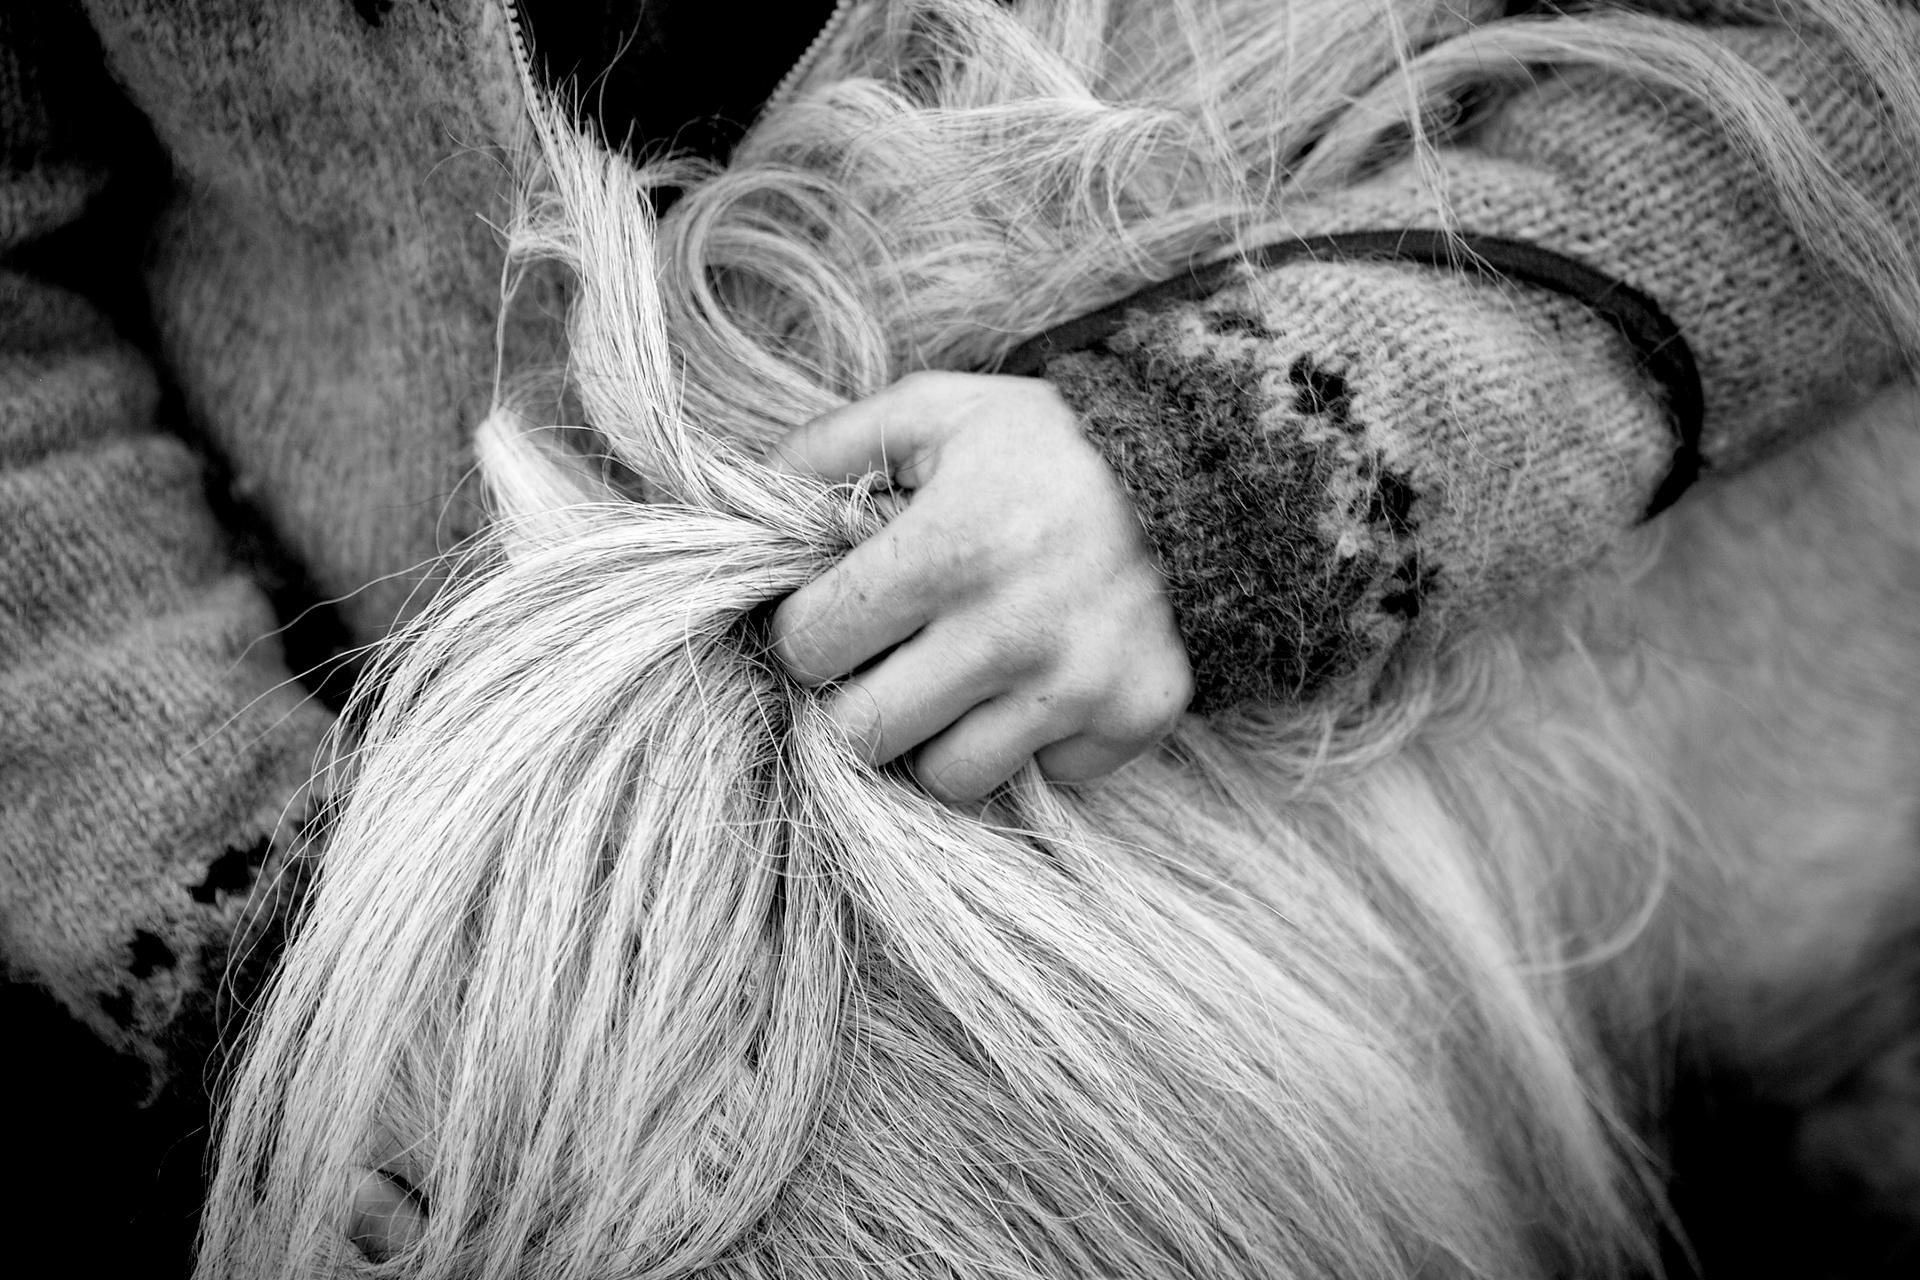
{"points": [[880, 593]]}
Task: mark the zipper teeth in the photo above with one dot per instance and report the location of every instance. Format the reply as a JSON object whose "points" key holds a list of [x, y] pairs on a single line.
{"points": [[798, 72], [522, 57]]}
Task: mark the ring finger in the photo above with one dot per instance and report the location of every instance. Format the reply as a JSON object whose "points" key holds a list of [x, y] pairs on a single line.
{"points": [[914, 693], [984, 748]]}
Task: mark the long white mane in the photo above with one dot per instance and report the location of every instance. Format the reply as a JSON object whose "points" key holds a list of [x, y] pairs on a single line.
{"points": [[626, 965]]}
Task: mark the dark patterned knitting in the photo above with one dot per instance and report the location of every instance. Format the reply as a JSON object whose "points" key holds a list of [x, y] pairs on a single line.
{"points": [[1321, 496], [1343, 463]]}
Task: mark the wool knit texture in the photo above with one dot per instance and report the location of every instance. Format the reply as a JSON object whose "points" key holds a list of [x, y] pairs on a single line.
{"points": [[1340, 465], [153, 758], [1343, 464]]}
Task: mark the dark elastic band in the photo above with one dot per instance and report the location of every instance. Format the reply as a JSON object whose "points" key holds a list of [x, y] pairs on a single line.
{"points": [[1662, 350]]}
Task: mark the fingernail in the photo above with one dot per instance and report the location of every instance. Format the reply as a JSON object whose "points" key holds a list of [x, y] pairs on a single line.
{"points": [[856, 714]]}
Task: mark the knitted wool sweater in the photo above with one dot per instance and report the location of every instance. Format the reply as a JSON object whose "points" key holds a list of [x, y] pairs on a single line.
{"points": [[247, 323]]}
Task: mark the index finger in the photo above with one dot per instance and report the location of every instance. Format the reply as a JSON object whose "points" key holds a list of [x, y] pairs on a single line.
{"points": [[886, 432], [879, 593]]}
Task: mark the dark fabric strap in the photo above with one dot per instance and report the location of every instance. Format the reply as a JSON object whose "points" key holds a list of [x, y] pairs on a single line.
{"points": [[1654, 337]]}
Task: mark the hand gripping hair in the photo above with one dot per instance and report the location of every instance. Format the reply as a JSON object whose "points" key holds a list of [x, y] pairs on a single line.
{"points": [[622, 961]]}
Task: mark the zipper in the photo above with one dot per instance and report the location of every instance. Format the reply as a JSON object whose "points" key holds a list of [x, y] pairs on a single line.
{"points": [[522, 51], [797, 74]]}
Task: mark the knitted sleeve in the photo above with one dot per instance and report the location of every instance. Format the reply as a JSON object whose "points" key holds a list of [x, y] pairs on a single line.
{"points": [[1339, 463], [153, 750]]}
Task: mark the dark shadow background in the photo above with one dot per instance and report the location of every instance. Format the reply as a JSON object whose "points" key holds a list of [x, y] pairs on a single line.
{"points": [[112, 1188]]}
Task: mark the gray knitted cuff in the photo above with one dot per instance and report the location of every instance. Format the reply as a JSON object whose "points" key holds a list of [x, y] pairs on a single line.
{"points": [[1286, 543]]}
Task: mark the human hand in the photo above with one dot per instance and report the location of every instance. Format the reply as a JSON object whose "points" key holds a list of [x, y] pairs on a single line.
{"points": [[1015, 599]]}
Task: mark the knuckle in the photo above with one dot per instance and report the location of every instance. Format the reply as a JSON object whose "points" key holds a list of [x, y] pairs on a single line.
{"points": [[1147, 710], [1075, 700], [1158, 711], [956, 556], [930, 388], [1033, 537], [956, 562]]}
